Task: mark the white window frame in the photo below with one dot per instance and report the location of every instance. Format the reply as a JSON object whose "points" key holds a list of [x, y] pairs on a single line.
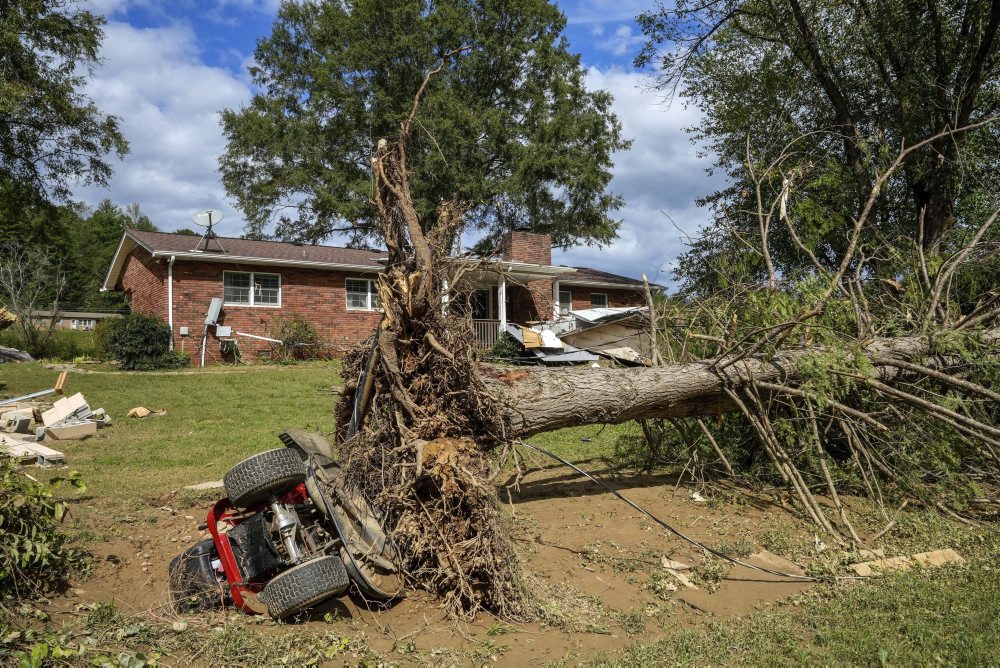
{"points": [[565, 305], [598, 294], [253, 301], [372, 290]]}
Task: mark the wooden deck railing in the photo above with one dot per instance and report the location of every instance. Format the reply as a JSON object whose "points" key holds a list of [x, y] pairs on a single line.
{"points": [[487, 332]]}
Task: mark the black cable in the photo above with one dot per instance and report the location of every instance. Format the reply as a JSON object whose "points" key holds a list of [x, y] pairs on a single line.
{"points": [[666, 526]]}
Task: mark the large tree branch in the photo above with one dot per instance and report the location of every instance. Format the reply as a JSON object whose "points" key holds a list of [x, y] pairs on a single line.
{"points": [[539, 400]]}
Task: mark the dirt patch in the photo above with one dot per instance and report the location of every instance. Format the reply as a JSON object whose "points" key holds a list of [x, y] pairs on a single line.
{"points": [[598, 564]]}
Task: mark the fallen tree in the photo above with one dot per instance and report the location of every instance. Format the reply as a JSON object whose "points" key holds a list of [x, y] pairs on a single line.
{"points": [[537, 400], [833, 374]]}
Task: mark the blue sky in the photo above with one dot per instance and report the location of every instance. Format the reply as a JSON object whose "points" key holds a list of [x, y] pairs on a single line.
{"points": [[169, 67]]}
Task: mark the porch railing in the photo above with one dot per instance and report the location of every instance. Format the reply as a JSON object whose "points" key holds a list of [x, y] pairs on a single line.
{"points": [[487, 332]]}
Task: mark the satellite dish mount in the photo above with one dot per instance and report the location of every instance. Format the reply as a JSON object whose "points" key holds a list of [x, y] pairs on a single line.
{"points": [[207, 219]]}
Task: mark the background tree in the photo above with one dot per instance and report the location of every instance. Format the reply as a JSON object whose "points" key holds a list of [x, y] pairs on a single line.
{"points": [[513, 133], [95, 240], [32, 279], [826, 92], [51, 135]]}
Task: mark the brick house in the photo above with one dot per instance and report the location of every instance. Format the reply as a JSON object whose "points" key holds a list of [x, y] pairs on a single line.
{"points": [[176, 276]]}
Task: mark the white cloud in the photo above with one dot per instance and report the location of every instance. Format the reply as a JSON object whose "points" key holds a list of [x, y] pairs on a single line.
{"points": [[623, 41], [660, 178], [603, 11], [168, 101]]}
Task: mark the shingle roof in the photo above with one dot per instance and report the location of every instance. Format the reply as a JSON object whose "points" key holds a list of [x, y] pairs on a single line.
{"points": [[586, 276], [265, 250]]}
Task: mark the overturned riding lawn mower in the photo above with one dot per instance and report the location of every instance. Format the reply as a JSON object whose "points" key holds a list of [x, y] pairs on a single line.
{"points": [[289, 535]]}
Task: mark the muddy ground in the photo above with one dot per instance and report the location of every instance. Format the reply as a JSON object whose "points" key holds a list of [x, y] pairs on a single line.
{"points": [[597, 565]]}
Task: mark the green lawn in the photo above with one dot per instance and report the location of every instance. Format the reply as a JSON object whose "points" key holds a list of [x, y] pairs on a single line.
{"points": [[215, 417], [946, 616]]}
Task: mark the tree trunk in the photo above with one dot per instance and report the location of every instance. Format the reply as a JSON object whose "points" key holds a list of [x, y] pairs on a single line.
{"points": [[539, 400]]}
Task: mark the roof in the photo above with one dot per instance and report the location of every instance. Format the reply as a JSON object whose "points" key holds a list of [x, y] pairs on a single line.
{"points": [[596, 277], [600, 314], [246, 251], [268, 250]]}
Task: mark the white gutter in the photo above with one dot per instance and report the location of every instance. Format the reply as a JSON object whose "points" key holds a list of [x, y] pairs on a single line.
{"points": [[170, 298]]}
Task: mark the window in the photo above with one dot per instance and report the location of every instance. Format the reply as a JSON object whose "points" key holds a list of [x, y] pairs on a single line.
{"points": [[85, 324], [362, 294], [251, 288], [598, 300], [565, 301], [482, 304]]}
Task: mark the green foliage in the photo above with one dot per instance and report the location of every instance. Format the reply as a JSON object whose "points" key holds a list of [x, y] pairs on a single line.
{"points": [[34, 554], [141, 342], [66, 345], [827, 95], [506, 347], [301, 340], [507, 128], [52, 135], [96, 239]]}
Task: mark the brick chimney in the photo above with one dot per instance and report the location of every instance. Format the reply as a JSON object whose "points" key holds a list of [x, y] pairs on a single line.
{"points": [[521, 246]]}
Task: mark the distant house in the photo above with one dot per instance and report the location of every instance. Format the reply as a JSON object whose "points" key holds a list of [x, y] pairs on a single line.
{"points": [[78, 320], [175, 277]]}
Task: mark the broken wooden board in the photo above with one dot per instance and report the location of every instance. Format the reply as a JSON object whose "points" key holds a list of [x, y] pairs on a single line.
{"points": [[926, 559]]}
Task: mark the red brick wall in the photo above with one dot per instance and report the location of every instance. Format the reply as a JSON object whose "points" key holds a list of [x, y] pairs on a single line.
{"points": [[527, 247], [616, 297], [533, 301], [144, 281], [319, 296]]}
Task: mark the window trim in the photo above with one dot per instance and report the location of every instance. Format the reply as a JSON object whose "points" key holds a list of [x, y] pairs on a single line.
{"points": [[253, 301], [372, 289], [595, 294]]}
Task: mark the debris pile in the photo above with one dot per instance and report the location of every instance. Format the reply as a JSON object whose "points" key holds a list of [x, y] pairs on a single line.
{"points": [[25, 426]]}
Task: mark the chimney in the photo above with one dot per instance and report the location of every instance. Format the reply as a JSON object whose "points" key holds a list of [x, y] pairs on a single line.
{"points": [[528, 247]]}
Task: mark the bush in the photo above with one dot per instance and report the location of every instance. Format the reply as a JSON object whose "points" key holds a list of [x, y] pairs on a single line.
{"points": [[33, 552], [140, 342], [65, 345], [301, 340]]}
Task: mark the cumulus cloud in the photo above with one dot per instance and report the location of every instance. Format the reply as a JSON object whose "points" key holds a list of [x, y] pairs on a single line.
{"points": [[156, 81], [660, 178], [168, 101]]}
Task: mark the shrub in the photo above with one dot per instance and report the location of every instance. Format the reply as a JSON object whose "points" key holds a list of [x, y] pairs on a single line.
{"points": [[301, 340], [506, 347], [141, 342], [65, 345], [33, 553]]}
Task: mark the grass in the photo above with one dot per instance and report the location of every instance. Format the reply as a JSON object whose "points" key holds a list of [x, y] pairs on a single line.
{"points": [[214, 418], [943, 616], [67, 344], [217, 416]]}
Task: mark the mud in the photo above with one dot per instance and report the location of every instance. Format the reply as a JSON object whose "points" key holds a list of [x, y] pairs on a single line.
{"points": [[598, 562]]}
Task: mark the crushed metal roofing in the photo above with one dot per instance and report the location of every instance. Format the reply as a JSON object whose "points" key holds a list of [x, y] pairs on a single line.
{"points": [[592, 315], [569, 355]]}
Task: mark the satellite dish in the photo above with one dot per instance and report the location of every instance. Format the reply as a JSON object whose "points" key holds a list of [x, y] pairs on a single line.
{"points": [[207, 219]]}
